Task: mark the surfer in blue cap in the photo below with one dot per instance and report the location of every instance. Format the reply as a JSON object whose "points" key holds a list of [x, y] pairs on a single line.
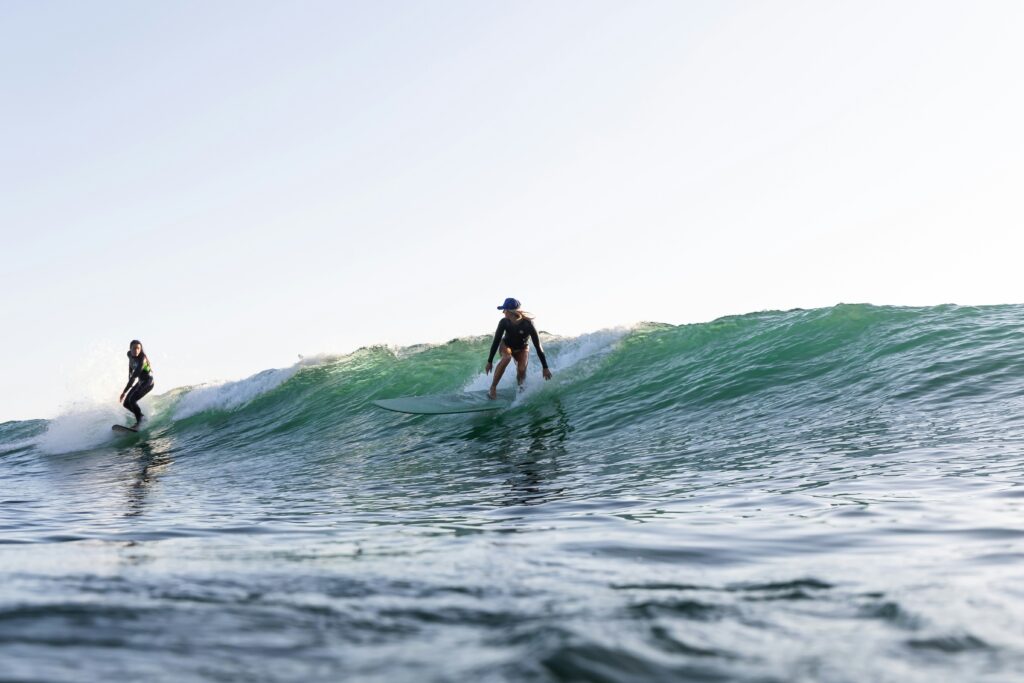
{"points": [[512, 341], [138, 369]]}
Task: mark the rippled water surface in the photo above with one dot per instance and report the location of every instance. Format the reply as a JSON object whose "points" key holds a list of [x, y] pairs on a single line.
{"points": [[828, 495]]}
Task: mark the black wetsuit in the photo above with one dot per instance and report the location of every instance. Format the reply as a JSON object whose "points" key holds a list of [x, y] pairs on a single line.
{"points": [[517, 337], [138, 369]]}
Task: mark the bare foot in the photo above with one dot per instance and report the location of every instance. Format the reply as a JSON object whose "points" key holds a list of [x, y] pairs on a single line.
{"points": [[492, 393]]}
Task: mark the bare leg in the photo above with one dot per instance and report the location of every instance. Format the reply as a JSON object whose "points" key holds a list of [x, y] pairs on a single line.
{"points": [[522, 358], [499, 370]]}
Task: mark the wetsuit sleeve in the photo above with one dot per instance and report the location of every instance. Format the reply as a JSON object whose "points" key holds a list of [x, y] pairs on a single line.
{"points": [[497, 340], [536, 344], [132, 374]]}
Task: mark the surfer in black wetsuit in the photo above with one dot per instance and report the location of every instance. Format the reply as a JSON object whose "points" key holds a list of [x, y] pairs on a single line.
{"points": [[138, 369], [512, 340]]}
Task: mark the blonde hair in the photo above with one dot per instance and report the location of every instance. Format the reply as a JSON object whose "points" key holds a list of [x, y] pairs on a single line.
{"points": [[520, 314]]}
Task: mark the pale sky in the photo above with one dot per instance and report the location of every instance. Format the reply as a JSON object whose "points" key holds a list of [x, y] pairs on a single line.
{"points": [[237, 183]]}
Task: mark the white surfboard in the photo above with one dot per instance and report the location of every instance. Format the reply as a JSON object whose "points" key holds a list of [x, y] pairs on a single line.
{"points": [[447, 404]]}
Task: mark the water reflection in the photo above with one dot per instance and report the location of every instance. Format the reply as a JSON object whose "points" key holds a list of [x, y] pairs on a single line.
{"points": [[152, 459], [531, 452]]}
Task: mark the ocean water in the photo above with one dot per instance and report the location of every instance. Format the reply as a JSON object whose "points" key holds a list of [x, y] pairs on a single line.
{"points": [[822, 495]]}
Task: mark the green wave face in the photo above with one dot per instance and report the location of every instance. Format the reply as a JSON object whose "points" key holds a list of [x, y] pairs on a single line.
{"points": [[741, 374], [731, 377]]}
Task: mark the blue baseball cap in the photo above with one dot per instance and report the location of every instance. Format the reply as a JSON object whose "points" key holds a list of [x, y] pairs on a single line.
{"points": [[509, 305]]}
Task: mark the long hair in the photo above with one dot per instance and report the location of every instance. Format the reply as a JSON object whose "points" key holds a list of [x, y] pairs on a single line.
{"points": [[521, 314]]}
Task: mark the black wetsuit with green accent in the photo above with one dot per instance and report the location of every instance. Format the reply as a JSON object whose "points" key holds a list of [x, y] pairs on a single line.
{"points": [[138, 369], [517, 336]]}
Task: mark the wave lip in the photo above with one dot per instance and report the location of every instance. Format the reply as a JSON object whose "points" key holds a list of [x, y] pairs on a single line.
{"points": [[230, 395]]}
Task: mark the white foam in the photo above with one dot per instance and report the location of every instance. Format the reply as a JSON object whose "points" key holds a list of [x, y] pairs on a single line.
{"points": [[231, 395], [82, 426], [93, 383], [86, 422], [234, 395]]}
